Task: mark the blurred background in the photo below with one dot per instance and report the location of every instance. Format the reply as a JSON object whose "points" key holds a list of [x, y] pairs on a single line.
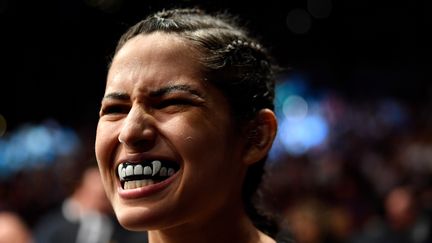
{"points": [[353, 158]]}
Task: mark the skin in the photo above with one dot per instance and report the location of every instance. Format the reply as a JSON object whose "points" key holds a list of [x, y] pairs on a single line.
{"points": [[12, 229], [158, 105]]}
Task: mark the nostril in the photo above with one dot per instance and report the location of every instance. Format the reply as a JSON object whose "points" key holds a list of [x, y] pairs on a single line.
{"points": [[138, 139]]}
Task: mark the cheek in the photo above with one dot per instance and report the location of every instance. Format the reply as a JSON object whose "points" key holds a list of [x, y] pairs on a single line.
{"points": [[105, 141], [201, 141], [192, 135]]}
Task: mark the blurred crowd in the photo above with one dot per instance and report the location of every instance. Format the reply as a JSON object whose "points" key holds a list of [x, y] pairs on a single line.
{"points": [[369, 180], [61, 201]]}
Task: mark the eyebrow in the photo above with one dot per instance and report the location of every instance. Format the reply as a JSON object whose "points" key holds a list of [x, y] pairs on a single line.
{"points": [[173, 88], [156, 93], [117, 96]]}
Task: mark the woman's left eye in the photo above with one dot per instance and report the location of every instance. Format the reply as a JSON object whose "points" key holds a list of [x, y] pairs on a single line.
{"points": [[173, 102]]}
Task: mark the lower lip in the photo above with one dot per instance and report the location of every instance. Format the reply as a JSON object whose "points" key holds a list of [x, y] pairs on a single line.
{"points": [[145, 191]]}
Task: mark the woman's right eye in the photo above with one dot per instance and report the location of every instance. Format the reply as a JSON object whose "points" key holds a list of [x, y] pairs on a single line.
{"points": [[115, 109]]}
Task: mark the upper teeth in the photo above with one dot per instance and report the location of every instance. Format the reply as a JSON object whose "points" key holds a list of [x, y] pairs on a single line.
{"points": [[138, 169], [156, 166]]}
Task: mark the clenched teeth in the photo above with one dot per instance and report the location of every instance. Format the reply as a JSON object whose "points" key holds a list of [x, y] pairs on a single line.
{"points": [[156, 167], [134, 175], [137, 183]]}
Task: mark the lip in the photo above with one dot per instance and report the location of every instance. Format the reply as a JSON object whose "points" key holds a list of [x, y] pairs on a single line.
{"points": [[146, 191], [142, 157]]}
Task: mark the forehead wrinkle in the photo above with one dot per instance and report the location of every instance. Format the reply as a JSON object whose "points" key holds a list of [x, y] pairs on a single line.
{"points": [[124, 70], [150, 62]]}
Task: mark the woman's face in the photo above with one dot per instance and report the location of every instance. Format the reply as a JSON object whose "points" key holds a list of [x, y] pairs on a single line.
{"points": [[166, 145]]}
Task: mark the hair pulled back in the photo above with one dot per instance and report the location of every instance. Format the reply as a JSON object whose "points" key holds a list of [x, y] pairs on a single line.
{"points": [[233, 62]]}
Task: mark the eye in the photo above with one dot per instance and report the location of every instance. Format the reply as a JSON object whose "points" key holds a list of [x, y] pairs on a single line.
{"points": [[173, 102], [114, 109]]}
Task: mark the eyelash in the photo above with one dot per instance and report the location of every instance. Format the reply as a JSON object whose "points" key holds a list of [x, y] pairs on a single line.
{"points": [[173, 102], [122, 109], [115, 109]]}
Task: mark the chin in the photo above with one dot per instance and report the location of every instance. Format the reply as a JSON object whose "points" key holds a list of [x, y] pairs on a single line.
{"points": [[138, 218], [132, 218]]}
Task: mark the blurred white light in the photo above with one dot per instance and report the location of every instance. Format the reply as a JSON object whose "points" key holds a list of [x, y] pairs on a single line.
{"points": [[294, 86], [298, 136], [295, 107], [14, 154], [34, 146], [299, 21], [66, 141], [38, 141]]}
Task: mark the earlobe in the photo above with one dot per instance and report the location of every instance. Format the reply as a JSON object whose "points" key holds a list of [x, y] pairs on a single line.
{"points": [[260, 136]]}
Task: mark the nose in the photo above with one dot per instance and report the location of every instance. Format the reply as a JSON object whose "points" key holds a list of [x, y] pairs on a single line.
{"points": [[138, 132]]}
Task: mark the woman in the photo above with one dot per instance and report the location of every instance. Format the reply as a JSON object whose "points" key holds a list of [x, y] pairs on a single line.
{"points": [[185, 126]]}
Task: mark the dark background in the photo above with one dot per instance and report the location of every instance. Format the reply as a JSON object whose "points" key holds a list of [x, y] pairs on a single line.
{"points": [[369, 59], [54, 53]]}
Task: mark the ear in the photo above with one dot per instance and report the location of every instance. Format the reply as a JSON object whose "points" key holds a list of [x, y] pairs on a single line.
{"points": [[260, 134]]}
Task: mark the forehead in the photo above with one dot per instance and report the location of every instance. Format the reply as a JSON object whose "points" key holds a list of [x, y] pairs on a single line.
{"points": [[156, 57]]}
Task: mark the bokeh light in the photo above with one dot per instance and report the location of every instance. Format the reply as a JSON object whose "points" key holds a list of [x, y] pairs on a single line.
{"points": [[298, 136], [36, 145], [295, 108], [302, 125]]}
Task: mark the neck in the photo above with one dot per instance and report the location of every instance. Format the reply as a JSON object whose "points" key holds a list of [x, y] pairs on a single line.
{"points": [[230, 226]]}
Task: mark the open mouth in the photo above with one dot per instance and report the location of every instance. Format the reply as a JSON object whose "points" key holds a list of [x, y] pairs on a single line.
{"points": [[135, 175]]}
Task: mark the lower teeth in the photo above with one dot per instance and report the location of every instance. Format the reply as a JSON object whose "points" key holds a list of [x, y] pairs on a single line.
{"points": [[138, 183]]}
